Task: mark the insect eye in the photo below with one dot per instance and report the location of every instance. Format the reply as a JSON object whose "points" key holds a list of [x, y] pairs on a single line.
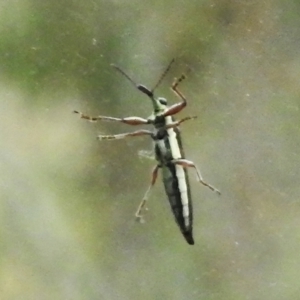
{"points": [[162, 101]]}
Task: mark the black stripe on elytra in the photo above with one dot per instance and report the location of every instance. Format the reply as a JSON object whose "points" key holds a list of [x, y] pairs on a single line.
{"points": [[173, 192]]}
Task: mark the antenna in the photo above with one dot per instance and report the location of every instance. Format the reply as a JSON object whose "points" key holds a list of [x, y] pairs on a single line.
{"points": [[163, 75], [141, 87], [124, 74]]}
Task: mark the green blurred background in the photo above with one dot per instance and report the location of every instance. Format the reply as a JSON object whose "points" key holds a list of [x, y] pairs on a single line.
{"points": [[68, 200]]}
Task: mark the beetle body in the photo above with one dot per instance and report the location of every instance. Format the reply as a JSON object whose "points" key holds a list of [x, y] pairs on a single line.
{"points": [[168, 150], [168, 147]]}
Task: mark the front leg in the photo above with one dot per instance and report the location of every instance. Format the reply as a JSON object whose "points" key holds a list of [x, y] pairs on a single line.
{"points": [[128, 120], [176, 108]]}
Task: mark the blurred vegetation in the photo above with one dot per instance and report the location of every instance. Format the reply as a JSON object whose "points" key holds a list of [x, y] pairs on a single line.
{"points": [[67, 200]]}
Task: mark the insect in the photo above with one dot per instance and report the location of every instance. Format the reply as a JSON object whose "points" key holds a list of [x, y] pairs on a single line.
{"points": [[168, 151]]}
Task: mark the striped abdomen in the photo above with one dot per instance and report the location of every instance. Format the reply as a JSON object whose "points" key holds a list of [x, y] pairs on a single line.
{"points": [[179, 195], [168, 148]]}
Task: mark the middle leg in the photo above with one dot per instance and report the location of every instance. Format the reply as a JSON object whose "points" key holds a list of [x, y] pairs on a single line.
{"points": [[124, 135], [177, 123]]}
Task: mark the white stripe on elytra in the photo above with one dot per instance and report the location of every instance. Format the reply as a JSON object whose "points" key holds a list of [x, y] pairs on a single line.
{"points": [[179, 171]]}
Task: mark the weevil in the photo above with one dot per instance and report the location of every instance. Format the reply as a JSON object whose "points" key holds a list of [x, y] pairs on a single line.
{"points": [[168, 151]]}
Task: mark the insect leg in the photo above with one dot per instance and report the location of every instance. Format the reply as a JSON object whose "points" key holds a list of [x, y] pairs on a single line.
{"points": [[147, 154], [128, 120], [176, 108], [124, 135], [177, 123], [187, 163], [175, 84], [138, 213]]}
